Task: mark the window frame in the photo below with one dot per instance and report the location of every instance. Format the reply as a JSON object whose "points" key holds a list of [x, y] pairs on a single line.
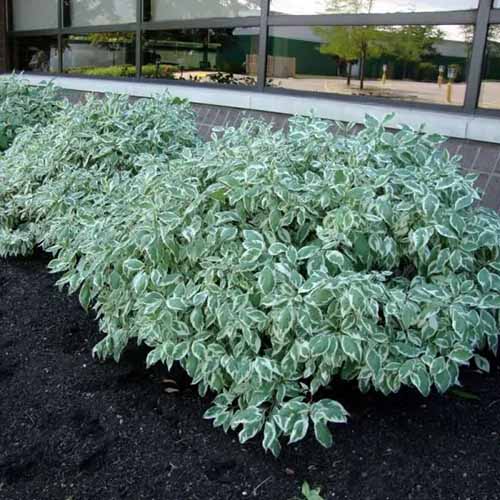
{"points": [[481, 18]]}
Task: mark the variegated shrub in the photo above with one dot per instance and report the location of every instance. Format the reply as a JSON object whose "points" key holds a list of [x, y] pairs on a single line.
{"points": [[269, 265], [22, 106], [66, 166]]}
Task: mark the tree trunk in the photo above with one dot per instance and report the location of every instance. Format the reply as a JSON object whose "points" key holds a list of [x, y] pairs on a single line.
{"points": [[362, 68], [349, 73]]}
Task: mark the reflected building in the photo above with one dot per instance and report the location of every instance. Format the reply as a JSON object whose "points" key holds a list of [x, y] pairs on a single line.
{"points": [[420, 52]]}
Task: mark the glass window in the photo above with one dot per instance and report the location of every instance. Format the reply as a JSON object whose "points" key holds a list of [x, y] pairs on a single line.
{"points": [[312, 7], [34, 14], [496, 4], [223, 55], [490, 88], [98, 12], [100, 54], [38, 54], [410, 63], [167, 10]]}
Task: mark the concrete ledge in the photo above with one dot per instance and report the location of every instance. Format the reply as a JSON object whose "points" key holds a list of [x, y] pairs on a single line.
{"points": [[458, 125]]}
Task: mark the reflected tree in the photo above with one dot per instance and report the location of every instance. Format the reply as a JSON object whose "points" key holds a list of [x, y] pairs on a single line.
{"points": [[492, 56], [98, 11], [410, 44], [354, 44], [349, 6], [113, 41], [188, 9]]}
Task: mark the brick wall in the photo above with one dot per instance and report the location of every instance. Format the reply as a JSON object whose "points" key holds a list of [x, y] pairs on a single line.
{"points": [[3, 36]]}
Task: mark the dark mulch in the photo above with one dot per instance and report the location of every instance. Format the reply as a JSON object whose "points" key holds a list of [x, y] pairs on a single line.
{"points": [[75, 429]]}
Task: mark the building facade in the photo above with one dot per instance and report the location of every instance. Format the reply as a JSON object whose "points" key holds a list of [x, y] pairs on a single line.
{"points": [[433, 61]]}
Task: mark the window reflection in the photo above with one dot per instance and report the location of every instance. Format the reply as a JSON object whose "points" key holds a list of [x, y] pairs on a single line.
{"points": [[490, 88], [100, 54], [224, 55], [410, 63], [37, 54], [34, 14], [165, 10], [98, 12], [312, 7]]}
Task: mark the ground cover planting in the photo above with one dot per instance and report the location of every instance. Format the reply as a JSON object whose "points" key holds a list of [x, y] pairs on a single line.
{"points": [[268, 265]]}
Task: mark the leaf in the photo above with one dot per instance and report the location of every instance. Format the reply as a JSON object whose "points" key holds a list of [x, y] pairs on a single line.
{"points": [[336, 258], [464, 202], [285, 319], [351, 347], [266, 280], [329, 411], [445, 231], [321, 296], [199, 350], [421, 380], [461, 355], [140, 282], [443, 380], [407, 350], [323, 434], [277, 249], [485, 280], [264, 369], [228, 233], [299, 429], [482, 363], [181, 350], [270, 436], [374, 361], [307, 252], [253, 236], [320, 344], [249, 415], [421, 237], [176, 304], [430, 205], [85, 296], [196, 319], [490, 301], [446, 183], [133, 265]]}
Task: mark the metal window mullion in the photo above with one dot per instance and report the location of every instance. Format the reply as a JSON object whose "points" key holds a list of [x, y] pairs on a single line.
{"points": [[262, 58], [7, 27], [476, 61], [9, 19], [59, 36], [138, 38]]}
